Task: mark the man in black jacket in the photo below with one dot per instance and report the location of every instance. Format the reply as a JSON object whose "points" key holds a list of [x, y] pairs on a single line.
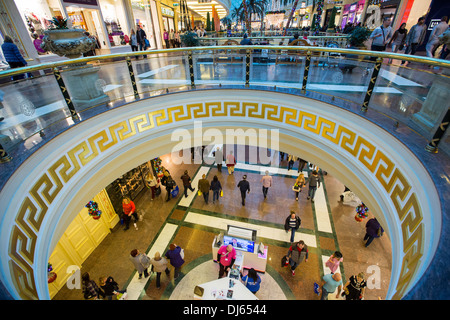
{"points": [[140, 37], [244, 186], [186, 183]]}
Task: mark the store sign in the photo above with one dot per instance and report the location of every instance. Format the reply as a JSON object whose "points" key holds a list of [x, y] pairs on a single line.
{"points": [[167, 12], [82, 2], [433, 23]]}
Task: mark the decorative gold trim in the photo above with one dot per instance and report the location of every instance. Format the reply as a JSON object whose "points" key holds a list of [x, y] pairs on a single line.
{"points": [[41, 195]]}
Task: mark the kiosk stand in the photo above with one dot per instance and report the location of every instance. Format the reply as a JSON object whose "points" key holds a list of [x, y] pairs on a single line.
{"points": [[247, 256]]}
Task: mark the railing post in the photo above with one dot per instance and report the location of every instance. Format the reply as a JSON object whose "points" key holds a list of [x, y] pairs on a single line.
{"points": [[373, 80], [433, 145], [191, 69], [306, 72], [247, 68], [65, 93], [133, 79], [4, 156]]}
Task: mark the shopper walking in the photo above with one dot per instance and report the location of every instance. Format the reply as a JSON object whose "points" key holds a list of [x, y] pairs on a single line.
{"points": [[186, 183], [373, 230], [176, 256], [216, 188], [110, 287], [415, 37], [433, 41], [172, 38], [129, 209], [90, 289], [152, 183], [292, 223], [166, 38], [334, 261], [380, 36], [13, 56], [159, 265], [177, 39], [244, 187], [230, 162], [329, 284], [314, 183], [298, 185], [301, 164], [252, 281], [218, 157], [204, 187], [355, 287], [140, 38], [170, 185], [141, 262], [266, 181], [226, 255], [398, 40], [291, 161], [133, 41], [296, 254]]}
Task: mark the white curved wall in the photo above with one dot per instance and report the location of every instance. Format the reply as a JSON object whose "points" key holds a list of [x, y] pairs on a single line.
{"points": [[48, 190]]}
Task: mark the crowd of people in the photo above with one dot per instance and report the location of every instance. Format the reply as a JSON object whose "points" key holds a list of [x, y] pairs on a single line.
{"points": [[297, 253]]}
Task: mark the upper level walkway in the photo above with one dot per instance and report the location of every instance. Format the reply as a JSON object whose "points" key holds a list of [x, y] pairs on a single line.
{"points": [[409, 103]]}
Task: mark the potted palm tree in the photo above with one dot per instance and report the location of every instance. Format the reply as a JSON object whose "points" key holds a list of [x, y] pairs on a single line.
{"points": [[358, 37], [65, 42]]}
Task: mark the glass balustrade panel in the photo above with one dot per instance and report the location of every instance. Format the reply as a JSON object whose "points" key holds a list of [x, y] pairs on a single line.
{"points": [[157, 73], [416, 95], [345, 77], [29, 106], [281, 68], [219, 67], [96, 84]]}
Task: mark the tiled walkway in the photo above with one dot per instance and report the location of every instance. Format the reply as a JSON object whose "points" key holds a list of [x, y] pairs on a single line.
{"points": [[327, 225]]}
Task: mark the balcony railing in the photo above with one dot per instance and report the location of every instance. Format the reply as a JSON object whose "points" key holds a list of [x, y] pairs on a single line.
{"points": [[334, 41], [59, 95]]}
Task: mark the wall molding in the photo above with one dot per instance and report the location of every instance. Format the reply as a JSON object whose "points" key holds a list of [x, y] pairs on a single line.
{"points": [[59, 176]]}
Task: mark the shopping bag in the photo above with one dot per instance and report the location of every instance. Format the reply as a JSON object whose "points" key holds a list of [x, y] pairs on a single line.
{"points": [[199, 193], [221, 193], [316, 288], [175, 192]]}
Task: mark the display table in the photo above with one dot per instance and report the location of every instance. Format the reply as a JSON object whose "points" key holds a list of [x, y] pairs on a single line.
{"points": [[227, 288], [253, 259]]}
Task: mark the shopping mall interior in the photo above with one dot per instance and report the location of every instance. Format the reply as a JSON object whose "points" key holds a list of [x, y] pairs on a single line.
{"points": [[193, 224], [81, 130]]}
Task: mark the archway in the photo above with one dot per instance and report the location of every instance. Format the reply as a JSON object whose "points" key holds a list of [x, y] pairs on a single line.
{"points": [[64, 173]]}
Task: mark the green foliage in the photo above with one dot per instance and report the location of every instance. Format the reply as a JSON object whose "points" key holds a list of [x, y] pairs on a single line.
{"points": [[208, 22], [213, 25], [358, 36], [58, 23], [313, 23], [189, 39], [331, 24]]}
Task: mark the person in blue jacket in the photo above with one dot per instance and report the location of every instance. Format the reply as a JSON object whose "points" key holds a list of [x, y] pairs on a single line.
{"points": [[252, 281], [12, 56], [176, 256]]}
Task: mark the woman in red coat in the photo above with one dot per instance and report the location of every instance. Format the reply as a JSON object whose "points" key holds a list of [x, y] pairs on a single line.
{"points": [[129, 209]]}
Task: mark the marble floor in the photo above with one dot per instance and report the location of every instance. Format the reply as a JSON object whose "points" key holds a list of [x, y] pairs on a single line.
{"points": [[327, 225]]}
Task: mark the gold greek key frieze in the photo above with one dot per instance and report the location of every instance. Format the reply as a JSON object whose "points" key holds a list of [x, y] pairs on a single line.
{"points": [[41, 195]]}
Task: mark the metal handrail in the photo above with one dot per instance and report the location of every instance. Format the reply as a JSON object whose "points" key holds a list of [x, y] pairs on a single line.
{"points": [[188, 51], [399, 56]]}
